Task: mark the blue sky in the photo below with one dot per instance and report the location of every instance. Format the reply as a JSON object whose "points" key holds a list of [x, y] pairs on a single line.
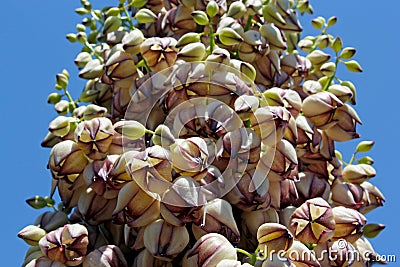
{"points": [[34, 50]]}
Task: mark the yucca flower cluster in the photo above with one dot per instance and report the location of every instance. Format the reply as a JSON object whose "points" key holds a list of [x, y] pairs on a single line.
{"points": [[205, 136]]}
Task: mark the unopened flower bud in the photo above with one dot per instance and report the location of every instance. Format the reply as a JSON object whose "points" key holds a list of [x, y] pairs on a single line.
{"points": [[273, 35], [349, 223], [313, 221], [37, 202], [344, 129], [111, 24], [132, 41], [372, 230], [31, 234], [273, 238], [53, 98], [328, 69], [105, 256], [212, 9], [358, 173], [189, 155], [71, 37], [131, 129], [317, 57], [162, 136], [347, 53], [67, 160], [318, 23], [187, 38], [348, 195], [165, 241], [93, 69], [60, 126], [145, 15], [51, 220], [342, 92], [229, 37], [209, 250], [67, 244], [236, 10], [200, 17], [192, 52], [299, 255], [320, 107]]}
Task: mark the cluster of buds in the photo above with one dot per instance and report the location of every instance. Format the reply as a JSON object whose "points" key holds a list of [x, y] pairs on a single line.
{"points": [[210, 131]]}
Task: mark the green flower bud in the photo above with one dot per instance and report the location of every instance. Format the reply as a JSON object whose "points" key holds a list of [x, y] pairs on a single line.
{"points": [[372, 230], [112, 24], [71, 37], [272, 15], [317, 57], [337, 44], [236, 10], [163, 136], [37, 202], [62, 80], [328, 69], [200, 17], [53, 98], [139, 3], [332, 21], [347, 53], [131, 129], [192, 52], [145, 15], [114, 11], [353, 66], [81, 37], [80, 27], [228, 36], [318, 23], [366, 160], [31, 234], [323, 41], [212, 9], [190, 37], [82, 11], [365, 146], [82, 59], [273, 35]]}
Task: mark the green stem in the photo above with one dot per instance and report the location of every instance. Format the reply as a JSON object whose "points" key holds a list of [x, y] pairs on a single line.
{"points": [[68, 95], [132, 27], [143, 63], [253, 258], [150, 132], [244, 252], [329, 82], [248, 23], [212, 41], [89, 46], [353, 157]]}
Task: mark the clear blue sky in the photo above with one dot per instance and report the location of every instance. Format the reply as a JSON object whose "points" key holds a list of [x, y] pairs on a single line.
{"points": [[34, 50]]}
